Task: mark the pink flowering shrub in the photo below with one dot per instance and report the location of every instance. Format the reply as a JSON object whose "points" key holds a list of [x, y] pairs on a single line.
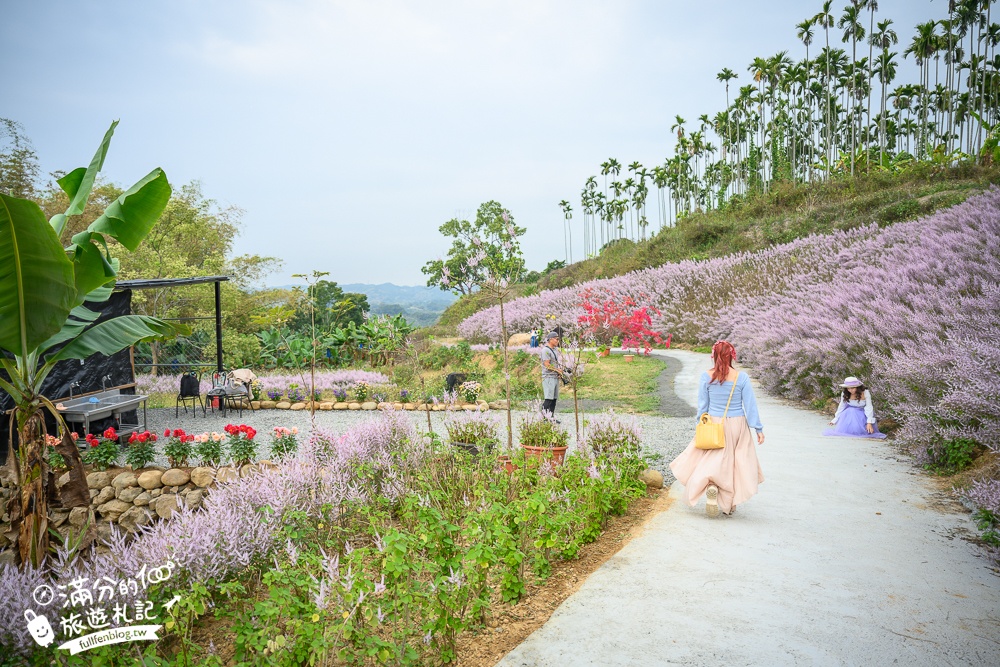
{"points": [[913, 309], [605, 319]]}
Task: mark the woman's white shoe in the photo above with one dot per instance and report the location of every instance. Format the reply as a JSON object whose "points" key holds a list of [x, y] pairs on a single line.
{"points": [[711, 501]]}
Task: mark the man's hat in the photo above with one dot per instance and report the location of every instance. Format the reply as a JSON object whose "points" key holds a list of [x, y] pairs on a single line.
{"points": [[551, 335]]}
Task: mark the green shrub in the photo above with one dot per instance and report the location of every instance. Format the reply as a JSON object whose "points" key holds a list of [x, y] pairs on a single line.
{"points": [[989, 526], [951, 456]]}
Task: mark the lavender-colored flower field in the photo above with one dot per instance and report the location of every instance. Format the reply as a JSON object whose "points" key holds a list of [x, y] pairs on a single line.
{"points": [[913, 309], [325, 381]]}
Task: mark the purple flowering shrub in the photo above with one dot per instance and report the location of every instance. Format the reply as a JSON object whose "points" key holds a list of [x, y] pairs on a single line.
{"points": [[613, 435], [325, 380], [362, 543], [913, 309]]}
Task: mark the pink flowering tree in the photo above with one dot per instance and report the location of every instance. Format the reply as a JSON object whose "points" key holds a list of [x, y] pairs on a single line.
{"points": [[495, 264]]}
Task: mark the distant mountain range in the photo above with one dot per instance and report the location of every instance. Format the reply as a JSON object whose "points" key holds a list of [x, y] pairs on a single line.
{"points": [[421, 306]]}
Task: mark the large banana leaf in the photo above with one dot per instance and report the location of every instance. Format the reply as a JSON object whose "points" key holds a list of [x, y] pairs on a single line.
{"points": [[131, 216], [91, 268], [79, 319], [115, 335], [78, 183], [36, 278]]}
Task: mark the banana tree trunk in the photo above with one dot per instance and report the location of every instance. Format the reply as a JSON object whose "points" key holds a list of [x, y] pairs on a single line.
{"points": [[32, 513], [30, 509]]}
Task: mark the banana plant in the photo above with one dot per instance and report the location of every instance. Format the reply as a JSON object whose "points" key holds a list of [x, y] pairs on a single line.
{"points": [[50, 298]]}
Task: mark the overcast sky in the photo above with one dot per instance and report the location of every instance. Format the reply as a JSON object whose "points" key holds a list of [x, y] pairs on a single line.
{"points": [[349, 131]]}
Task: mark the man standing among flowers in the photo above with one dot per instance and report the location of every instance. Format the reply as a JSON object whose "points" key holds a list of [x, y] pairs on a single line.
{"points": [[551, 365]]}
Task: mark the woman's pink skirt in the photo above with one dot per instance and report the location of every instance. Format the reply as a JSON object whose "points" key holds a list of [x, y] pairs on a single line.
{"points": [[734, 468]]}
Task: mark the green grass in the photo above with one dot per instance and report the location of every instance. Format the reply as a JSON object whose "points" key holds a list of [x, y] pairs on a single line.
{"points": [[626, 387], [784, 214]]}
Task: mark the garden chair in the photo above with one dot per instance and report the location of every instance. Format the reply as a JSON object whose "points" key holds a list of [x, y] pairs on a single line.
{"points": [[190, 392], [216, 396], [238, 392]]}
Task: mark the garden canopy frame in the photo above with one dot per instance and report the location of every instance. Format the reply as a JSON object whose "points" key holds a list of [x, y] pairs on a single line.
{"points": [[163, 283]]}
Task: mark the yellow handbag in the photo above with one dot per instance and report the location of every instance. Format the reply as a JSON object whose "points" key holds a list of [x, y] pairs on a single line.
{"points": [[708, 434]]}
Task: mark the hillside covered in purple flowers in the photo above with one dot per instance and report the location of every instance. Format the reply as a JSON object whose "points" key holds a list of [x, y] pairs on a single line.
{"points": [[913, 308]]}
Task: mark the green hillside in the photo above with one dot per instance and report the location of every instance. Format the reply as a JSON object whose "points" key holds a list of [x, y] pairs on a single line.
{"points": [[784, 214]]}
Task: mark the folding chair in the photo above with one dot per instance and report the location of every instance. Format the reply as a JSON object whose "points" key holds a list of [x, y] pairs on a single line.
{"points": [[190, 392], [216, 396]]}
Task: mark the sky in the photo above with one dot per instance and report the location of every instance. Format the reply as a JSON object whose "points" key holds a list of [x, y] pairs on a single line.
{"points": [[349, 131]]}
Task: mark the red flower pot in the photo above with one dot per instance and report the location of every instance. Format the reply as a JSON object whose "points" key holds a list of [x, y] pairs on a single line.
{"points": [[556, 453]]}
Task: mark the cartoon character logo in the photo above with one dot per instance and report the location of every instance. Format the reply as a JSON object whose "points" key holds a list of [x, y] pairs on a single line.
{"points": [[39, 628]]}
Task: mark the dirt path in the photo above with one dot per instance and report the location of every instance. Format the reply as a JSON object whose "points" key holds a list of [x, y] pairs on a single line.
{"points": [[847, 556]]}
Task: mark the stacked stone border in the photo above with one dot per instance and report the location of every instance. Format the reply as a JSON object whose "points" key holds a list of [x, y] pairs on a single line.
{"points": [[129, 498], [372, 405]]}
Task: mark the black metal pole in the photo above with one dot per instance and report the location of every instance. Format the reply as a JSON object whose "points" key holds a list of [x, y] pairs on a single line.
{"points": [[218, 326]]}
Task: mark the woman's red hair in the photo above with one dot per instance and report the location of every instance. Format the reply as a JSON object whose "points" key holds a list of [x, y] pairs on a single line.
{"points": [[723, 354]]}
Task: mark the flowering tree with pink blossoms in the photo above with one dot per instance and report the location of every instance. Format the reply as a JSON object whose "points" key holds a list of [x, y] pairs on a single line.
{"points": [[495, 264]]}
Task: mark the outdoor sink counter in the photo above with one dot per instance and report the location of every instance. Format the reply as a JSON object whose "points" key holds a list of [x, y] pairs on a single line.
{"points": [[111, 403]]}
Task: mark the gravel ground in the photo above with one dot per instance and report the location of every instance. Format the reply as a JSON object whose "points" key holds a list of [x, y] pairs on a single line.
{"points": [[665, 436]]}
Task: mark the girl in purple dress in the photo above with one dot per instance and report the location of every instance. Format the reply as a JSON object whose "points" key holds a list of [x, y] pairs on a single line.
{"points": [[855, 416]]}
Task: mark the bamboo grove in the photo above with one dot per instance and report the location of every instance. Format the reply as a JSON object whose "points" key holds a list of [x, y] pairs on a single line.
{"points": [[838, 111]]}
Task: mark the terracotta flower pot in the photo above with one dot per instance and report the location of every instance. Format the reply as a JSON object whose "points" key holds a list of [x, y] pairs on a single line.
{"points": [[629, 358], [507, 464], [604, 353], [556, 453]]}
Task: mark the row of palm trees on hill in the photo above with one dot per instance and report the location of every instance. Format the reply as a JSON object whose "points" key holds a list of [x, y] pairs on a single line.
{"points": [[836, 111]]}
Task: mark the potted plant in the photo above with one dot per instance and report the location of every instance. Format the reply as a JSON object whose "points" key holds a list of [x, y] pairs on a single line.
{"points": [[256, 390], [542, 438], [361, 391], [470, 391], [141, 449], [472, 431], [178, 448], [103, 452], [603, 350]]}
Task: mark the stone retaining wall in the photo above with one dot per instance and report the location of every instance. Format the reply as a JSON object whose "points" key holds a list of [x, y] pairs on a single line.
{"points": [[128, 498]]}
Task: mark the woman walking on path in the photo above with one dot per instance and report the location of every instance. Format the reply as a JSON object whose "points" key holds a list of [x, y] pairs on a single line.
{"points": [[727, 476], [855, 416]]}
